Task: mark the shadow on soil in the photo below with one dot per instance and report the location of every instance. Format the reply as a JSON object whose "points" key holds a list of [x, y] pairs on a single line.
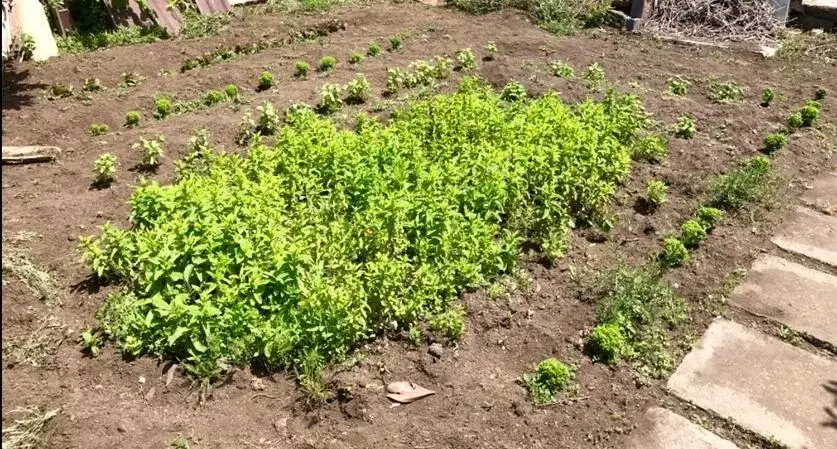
{"points": [[17, 92], [831, 421]]}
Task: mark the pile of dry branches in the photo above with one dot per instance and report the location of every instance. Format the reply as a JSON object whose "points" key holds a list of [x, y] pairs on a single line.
{"points": [[728, 20]]}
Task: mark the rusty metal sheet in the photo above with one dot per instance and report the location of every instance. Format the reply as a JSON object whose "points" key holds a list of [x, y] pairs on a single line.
{"points": [[168, 19], [212, 6], [129, 13]]}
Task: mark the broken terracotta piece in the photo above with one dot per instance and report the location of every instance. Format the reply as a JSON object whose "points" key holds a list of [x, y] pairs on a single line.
{"points": [[405, 392]]}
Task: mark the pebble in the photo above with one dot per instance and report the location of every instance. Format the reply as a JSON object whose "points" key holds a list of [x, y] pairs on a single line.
{"points": [[435, 350]]}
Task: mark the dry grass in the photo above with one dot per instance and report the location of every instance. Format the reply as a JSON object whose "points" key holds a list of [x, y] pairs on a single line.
{"points": [[28, 430], [36, 348], [16, 263]]}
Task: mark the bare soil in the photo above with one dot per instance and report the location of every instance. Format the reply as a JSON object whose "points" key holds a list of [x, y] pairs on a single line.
{"points": [[479, 401]]}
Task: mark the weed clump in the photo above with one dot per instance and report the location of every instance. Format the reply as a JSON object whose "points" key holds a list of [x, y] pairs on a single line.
{"points": [[678, 86], [132, 119], [373, 50], [773, 143], [490, 51], [448, 325], [562, 70], [550, 377], [331, 96], [355, 58], [594, 76], [725, 92], [358, 89], [98, 129], [466, 59], [749, 183], [674, 253], [652, 148], [513, 91]]}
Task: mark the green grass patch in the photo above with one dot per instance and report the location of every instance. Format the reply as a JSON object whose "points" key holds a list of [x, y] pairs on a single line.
{"points": [[750, 183]]}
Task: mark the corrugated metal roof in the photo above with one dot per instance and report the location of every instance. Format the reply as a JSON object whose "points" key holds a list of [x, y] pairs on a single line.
{"points": [[212, 6]]}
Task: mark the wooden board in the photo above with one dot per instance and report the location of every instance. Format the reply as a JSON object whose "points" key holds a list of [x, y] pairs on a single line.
{"points": [[212, 6], [23, 155]]}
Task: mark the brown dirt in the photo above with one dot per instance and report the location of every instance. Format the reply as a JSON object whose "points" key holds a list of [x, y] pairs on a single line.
{"points": [[478, 401]]}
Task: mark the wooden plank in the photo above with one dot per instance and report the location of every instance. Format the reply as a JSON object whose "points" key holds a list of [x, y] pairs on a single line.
{"points": [[29, 154], [168, 19], [212, 6]]}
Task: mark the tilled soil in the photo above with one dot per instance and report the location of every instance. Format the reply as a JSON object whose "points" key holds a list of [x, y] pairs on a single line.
{"points": [[479, 402]]}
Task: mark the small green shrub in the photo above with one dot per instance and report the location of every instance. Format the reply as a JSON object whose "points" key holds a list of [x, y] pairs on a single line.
{"points": [[794, 121], [466, 59], [562, 70], [396, 79], [651, 148], [513, 91], [810, 113], [395, 43], [268, 119], [97, 129], [327, 63], [152, 150], [132, 119], [607, 344], [709, 217], [725, 92], [692, 233], [490, 51], [656, 193], [91, 342], [442, 67], [550, 377], [162, 107], [355, 57], [301, 69], [773, 143], [566, 17], [331, 98], [247, 129], [214, 97], [820, 94], [767, 96], [373, 50], [594, 76], [678, 85], [231, 91], [674, 253], [104, 169], [449, 325], [750, 183], [358, 89], [685, 127], [265, 80]]}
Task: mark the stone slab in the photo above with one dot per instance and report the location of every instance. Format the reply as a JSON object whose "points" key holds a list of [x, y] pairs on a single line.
{"points": [[662, 429], [768, 386], [810, 234], [823, 193], [797, 296]]}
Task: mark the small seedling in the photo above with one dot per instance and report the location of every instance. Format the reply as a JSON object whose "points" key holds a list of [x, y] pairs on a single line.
{"points": [[685, 127], [93, 85], [773, 143], [97, 129], [395, 43], [725, 92], [268, 119], [709, 217], [358, 89], [466, 59], [674, 253], [550, 377], [562, 70], [246, 129], [490, 51], [152, 150], [214, 97], [162, 107], [692, 233], [608, 344], [449, 325], [656, 193], [59, 90], [373, 49], [767, 96], [651, 148], [104, 169], [91, 342], [819, 94], [132, 119], [301, 70], [513, 92], [794, 121], [132, 79], [355, 57], [327, 63], [678, 86], [199, 141], [594, 76], [265, 80], [395, 80], [231, 91], [810, 112], [330, 98]]}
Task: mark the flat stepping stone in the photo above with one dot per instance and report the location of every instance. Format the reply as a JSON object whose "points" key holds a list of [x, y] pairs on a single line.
{"points": [[770, 387], [823, 194], [810, 234], [797, 296], [662, 429]]}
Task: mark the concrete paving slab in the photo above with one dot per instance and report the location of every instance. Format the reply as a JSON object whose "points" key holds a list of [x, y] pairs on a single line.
{"points": [[768, 386], [662, 429], [811, 234], [797, 296], [823, 193]]}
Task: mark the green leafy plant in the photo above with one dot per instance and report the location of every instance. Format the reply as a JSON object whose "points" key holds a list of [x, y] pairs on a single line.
{"points": [[767, 96], [562, 70], [132, 119], [490, 51], [820, 94], [301, 69], [91, 342], [466, 59], [246, 129], [442, 67], [749, 183], [810, 112], [152, 150], [93, 85], [724, 93], [692, 233], [373, 49], [355, 57], [214, 97], [162, 107], [674, 253], [709, 217], [327, 63], [268, 119], [331, 96], [594, 76], [449, 325], [651, 148], [97, 129], [607, 344], [550, 377], [395, 42], [396, 79], [265, 80], [513, 91], [231, 91], [678, 85], [358, 89], [774, 142], [794, 121], [685, 127], [104, 169], [656, 193], [131, 79]]}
